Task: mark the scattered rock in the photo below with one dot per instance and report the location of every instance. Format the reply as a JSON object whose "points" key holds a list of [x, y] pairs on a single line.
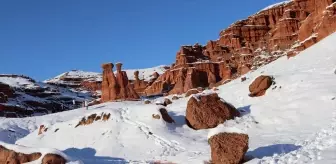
{"points": [[106, 117], [167, 102], [156, 116], [215, 89], [175, 98], [56, 130], [228, 148], [208, 111], [191, 92], [243, 79], [42, 129], [93, 117], [165, 116], [274, 87], [333, 98], [53, 159], [147, 102], [260, 85]]}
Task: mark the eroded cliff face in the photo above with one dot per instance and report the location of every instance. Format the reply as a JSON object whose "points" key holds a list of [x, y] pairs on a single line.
{"points": [[283, 29]]}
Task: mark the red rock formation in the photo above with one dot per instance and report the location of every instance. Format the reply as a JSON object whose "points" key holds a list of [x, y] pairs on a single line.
{"points": [[140, 85], [116, 87], [12, 157], [228, 148], [91, 85], [248, 44], [208, 111]]}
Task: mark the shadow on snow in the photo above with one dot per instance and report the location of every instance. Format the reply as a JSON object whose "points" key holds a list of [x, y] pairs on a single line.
{"points": [[269, 151], [88, 156]]}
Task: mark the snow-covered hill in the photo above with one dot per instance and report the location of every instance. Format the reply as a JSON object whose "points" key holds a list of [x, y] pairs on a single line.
{"points": [[26, 97], [293, 123]]}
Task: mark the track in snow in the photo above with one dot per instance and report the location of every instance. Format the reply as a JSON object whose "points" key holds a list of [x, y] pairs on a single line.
{"points": [[311, 148], [170, 148]]}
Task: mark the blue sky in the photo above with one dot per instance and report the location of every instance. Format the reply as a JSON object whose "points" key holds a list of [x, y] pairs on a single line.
{"points": [[43, 38]]}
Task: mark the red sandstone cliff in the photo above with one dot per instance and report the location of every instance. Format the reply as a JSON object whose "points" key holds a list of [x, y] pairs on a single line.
{"points": [[286, 28]]}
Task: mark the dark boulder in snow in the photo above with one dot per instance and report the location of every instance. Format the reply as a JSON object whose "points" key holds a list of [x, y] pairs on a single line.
{"points": [[228, 148], [175, 98], [206, 111], [165, 116], [167, 102], [53, 159], [260, 85]]}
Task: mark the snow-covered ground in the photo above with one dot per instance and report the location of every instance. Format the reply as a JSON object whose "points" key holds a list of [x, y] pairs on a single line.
{"points": [[293, 123], [275, 5], [18, 82]]}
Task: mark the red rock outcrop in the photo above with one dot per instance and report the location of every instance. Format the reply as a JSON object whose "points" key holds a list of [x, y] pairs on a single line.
{"points": [[12, 157], [228, 148], [260, 85], [91, 85], [247, 44], [116, 87], [208, 111], [141, 85]]}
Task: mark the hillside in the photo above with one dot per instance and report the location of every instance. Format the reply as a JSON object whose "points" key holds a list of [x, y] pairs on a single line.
{"points": [[292, 123], [21, 96]]}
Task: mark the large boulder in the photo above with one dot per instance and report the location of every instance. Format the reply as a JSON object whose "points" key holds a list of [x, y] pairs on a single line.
{"points": [[208, 110], [260, 85], [11, 157], [53, 159], [165, 116], [228, 148]]}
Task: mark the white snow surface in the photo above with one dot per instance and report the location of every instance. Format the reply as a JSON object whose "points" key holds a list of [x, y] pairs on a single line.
{"points": [[275, 5], [18, 82], [224, 129], [293, 123]]}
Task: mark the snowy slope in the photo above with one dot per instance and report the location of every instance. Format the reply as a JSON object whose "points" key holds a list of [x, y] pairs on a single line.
{"points": [[275, 5], [293, 123], [76, 74], [18, 81]]}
